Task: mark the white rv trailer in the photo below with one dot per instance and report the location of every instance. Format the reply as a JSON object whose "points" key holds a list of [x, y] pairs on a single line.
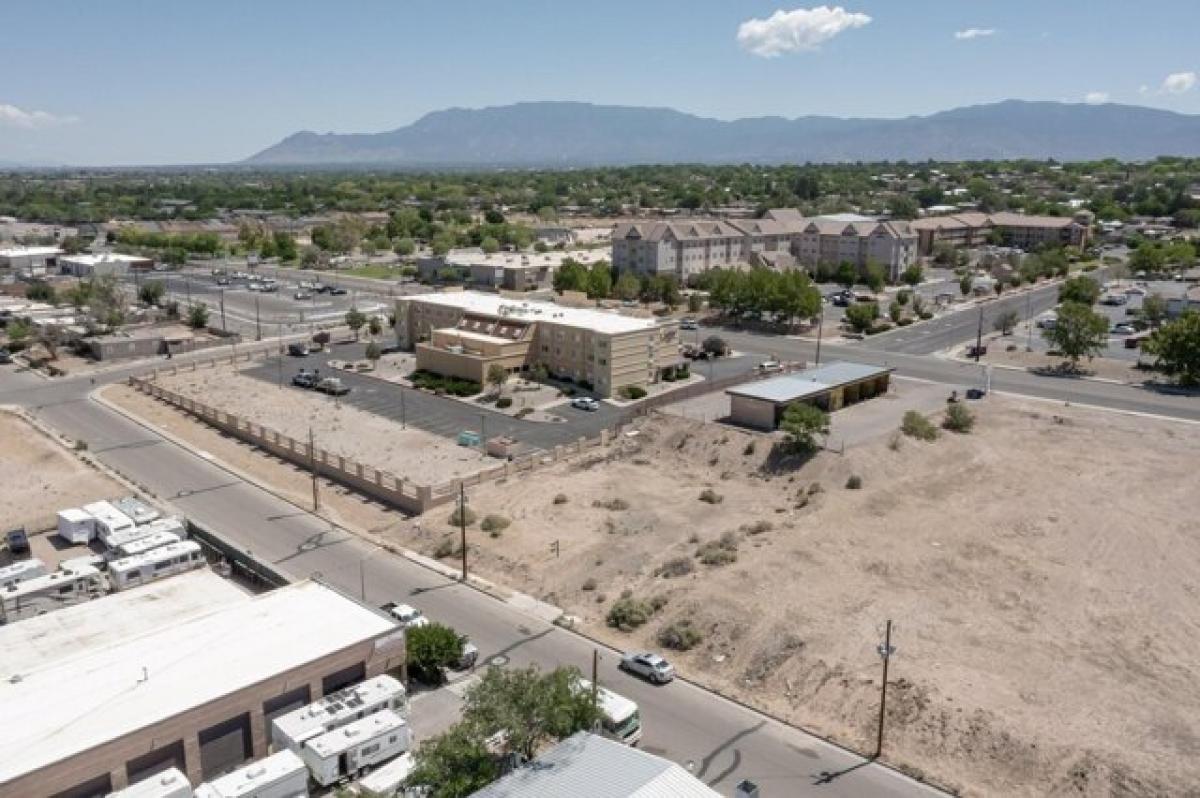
{"points": [[281, 775], [142, 545], [47, 593], [137, 510], [620, 718], [337, 709], [20, 571], [76, 525], [388, 780], [108, 520], [173, 526], [174, 558], [170, 783], [347, 751]]}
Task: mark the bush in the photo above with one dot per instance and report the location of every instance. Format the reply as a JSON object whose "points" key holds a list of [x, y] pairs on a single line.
{"points": [[456, 518], [503, 402], [677, 566], [81, 446], [632, 392], [757, 528], [904, 322], [917, 426], [711, 496], [749, 450], [854, 482], [958, 418], [588, 584], [560, 498], [454, 386], [669, 376], [611, 504], [448, 547], [524, 411], [679, 636], [628, 613], [926, 315], [494, 524], [721, 551], [431, 649]]}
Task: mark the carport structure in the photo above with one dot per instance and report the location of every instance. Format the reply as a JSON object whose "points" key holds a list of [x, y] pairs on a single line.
{"points": [[831, 387]]}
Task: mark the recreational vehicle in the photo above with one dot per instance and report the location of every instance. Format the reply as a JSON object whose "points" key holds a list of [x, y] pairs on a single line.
{"points": [[20, 571], [281, 775], [142, 545], [174, 558], [170, 783], [108, 520], [620, 718], [137, 510], [355, 747], [389, 779], [76, 525], [337, 709], [47, 593], [172, 526]]}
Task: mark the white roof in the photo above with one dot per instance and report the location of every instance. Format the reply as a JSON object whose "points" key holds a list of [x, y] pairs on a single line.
{"points": [[387, 778], [18, 252], [615, 707], [602, 321], [170, 782], [39, 583], [344, 738], [105, 257], [300, 724], [104, 511], [155, 540], [251, 779], [74, 515], [78, 702], [155, 555]]}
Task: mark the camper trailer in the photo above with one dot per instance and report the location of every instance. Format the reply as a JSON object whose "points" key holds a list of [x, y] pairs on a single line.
{"points": [[137, 510], [281, 775], [389, 779], [170, 783], [142, 545], [353, 748], [174, 558], [108, 520], [172, 526], [76, 525], [20, 571], [47, 593], [337, 709]]}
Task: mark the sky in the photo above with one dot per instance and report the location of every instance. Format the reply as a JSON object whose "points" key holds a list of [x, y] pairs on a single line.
{"points": [[144, 82]]}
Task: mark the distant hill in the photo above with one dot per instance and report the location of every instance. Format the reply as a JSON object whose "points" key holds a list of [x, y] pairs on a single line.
{"points": [[580, 134]]}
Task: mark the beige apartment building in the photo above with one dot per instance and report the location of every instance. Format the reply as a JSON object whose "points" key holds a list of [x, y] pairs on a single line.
{"points": [[463, 333], [975, 229]]}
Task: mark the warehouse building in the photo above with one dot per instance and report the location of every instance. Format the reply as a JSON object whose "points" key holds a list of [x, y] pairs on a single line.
{"points": [[30, 260], [463, 333], [761, 404], [105, 264], [186, 673]]}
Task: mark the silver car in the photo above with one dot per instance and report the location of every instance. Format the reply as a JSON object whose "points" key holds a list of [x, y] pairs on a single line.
{"points": [[650, 667]]}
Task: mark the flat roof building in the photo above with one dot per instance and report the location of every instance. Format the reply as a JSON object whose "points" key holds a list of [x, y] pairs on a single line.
{"points": [[34, 260], [104, 264], [831, 387], [463, 333], [186, 672]]}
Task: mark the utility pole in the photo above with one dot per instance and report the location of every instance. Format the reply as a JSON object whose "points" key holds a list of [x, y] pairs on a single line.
{"points": [[886, 649], [483, 433], [595, 676], [362, 579], [223, 328], [820, 326], [403, 414], [257, 321], [312, 462], [279, 360], [979, 335], [1029, 322], [462, 525]]}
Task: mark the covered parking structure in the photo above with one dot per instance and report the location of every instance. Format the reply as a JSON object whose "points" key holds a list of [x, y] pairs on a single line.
{"points": [[761, 404]]}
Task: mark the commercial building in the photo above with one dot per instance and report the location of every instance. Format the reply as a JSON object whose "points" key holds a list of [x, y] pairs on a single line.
{"points": [[463, 333], [831, 387], [589, 766], [186, 672], [1010, 229], [104, 264], [782, 238], [30, 260]]}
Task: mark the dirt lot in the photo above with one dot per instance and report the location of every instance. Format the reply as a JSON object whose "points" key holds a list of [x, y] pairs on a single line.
{"points": [[1041, 573], [40, 477], [339, 427]]}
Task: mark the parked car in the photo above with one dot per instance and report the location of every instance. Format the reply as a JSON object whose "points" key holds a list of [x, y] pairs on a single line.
{"points": [[976, 351], [1047, 322], [585, 403], [301, 295], [841, 300], [408, 615], [1114, 299], [5, 355], [298, 349], [333, 386], [306, 379], [770, 367], [688, 324], [1123, 328], [1135, 290], [222, 280], [17, 541], [338, 291], [649, 666]]}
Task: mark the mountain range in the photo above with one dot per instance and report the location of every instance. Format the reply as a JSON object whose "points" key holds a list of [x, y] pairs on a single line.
{"points": [[564, 134]]}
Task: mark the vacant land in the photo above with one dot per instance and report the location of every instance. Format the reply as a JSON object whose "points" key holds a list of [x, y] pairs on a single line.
{"points": [[1041, 573], [338, 427], [40, 477]]}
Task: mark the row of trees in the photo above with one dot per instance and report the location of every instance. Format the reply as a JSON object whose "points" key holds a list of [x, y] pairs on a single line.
{"points": [[787, 294], [600, 281]]}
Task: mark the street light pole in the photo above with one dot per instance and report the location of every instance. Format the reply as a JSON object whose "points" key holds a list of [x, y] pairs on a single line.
{"points": [[886, 649], [257, 321], [223, 328], [1029, 321], [820, 326], [312, 462], [979, 335], [462, 525]]}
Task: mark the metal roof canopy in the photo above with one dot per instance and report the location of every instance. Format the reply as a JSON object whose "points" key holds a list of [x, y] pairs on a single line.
{"points": [[810, 382]]}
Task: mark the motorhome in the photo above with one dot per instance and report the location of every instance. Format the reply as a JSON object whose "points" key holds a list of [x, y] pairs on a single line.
{"points": [[281, 775], [108, 521], [21, 570], [137, 510], [142, 545], [620, 718], [53, 591], [170, 783], [173, 526], [337, 709], [76, 525], [174, 558], [350, 750]]}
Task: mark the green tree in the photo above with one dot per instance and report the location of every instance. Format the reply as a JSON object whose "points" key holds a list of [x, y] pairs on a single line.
{"points": [[374, 326], [1081, 289], [571, 275], [694, 302], [965, 284], [628, 286], [152, 292], [489, 245], [454, 764], [846, 275], [599, 280], [285, 247], [18, 331], [1005, 322], [496, 376], [861, 316], [1078, 332], [431, 649], [876, 276], [715, 345], [903, 206], [39, 291], [895, 311], [197, 316], [1154, 310], [355, 319], [405, 247], [1176, 348], [374, 352], [803, 423], [913, 275]]}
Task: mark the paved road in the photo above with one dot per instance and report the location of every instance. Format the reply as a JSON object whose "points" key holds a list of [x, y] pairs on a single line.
{"points": [[724, 741]]}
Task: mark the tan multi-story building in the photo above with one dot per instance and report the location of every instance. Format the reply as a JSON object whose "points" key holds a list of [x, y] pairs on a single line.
{"points": [[463, 333], [973, 229]]}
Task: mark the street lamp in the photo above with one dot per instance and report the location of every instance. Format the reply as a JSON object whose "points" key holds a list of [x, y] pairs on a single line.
{"points": [[886, 650]]}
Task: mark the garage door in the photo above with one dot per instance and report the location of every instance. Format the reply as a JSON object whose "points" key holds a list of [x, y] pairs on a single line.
{"points": [[283, 704], [158, 760], [343, 678], [95, 788], [225, 746]]}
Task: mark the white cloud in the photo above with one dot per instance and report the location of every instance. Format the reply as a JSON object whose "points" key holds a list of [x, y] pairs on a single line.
{"points": [[974, 33], [1178, 82], [796, 30], [1143, 89], [1095, 97], [12, 116]]}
